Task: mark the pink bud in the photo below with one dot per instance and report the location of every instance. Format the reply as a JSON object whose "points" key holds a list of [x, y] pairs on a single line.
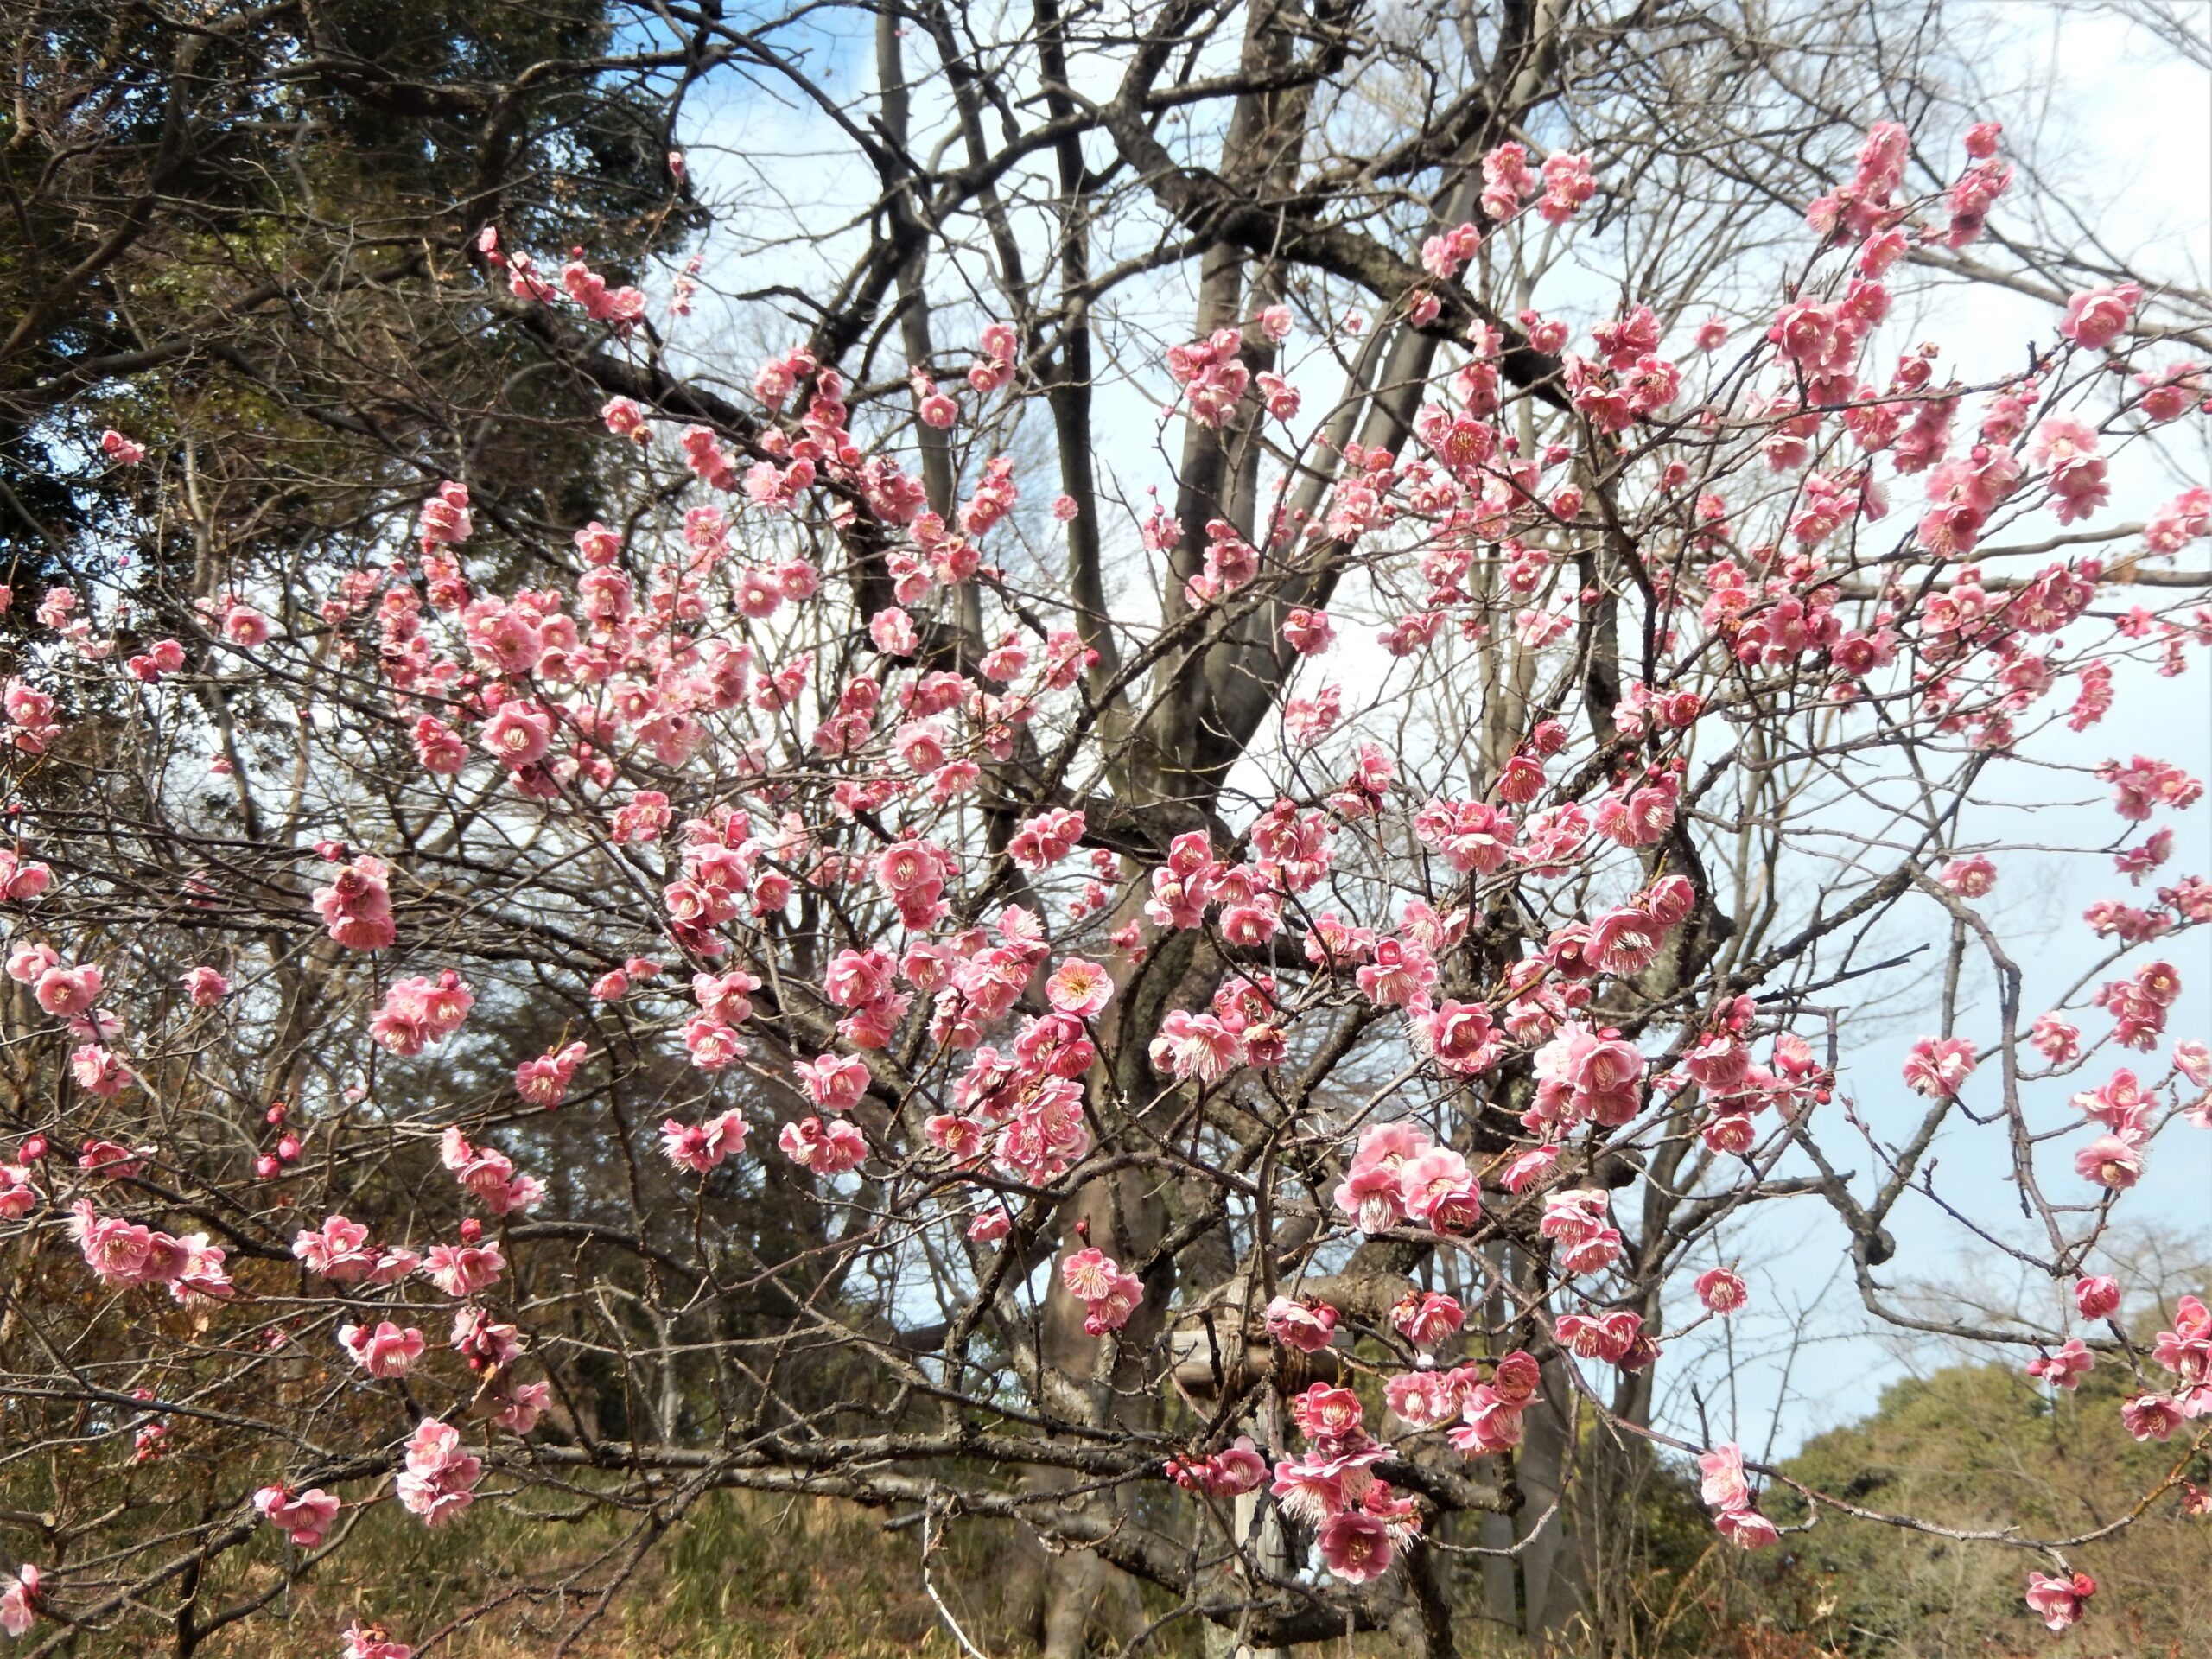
{"points": [[2096, 1297]]}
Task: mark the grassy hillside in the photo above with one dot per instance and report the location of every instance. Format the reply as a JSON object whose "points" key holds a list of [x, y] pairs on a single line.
{"points": [[746, 1577]]}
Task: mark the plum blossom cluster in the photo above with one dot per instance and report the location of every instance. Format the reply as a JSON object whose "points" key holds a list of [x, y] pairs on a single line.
{"points": [[1359, 1523], [121, 1253], [1108, 1292], [438, 1477], [2185, 1352], [1728, 1494]]}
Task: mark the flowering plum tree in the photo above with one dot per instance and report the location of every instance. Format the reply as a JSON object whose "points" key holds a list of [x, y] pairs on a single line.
{"points": [[1229, 1036]]}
